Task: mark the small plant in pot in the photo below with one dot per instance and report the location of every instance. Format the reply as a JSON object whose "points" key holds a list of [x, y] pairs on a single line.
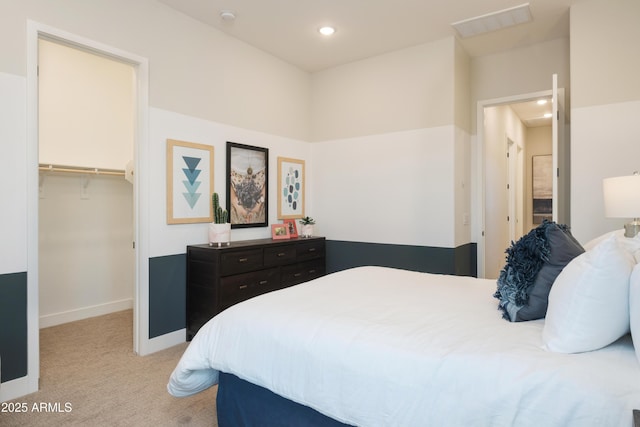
{"points": [[307, 226], [220, 228]]}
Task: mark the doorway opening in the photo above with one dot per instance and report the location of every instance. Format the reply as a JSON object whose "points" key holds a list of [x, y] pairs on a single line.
{"points": [[35, 32], [511, 131], [86, 138]]}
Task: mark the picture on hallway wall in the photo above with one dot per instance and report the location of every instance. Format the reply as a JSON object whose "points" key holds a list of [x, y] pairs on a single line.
{"points": [[542, 178], [189, 182], [290, 188], [247, 185]]}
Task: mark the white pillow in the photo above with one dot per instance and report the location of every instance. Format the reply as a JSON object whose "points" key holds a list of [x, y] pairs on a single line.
{"points": [[634, 306], [589, 301], [630, 244]]}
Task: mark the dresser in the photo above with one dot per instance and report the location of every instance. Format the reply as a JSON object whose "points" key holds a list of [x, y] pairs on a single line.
{"points": [[219, 277]]}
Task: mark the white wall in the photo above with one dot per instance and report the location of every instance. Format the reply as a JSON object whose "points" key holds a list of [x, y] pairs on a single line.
{"points": [[197, 70], [13, 185], [605, 106], [392, 149], [86, 108], [500, 123], [411, 88], [86, 253], [392, 188], [172, 239]]}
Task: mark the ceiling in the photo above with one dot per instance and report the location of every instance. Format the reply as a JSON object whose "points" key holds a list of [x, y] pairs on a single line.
{"points": [[287, 29], [532, 114]]}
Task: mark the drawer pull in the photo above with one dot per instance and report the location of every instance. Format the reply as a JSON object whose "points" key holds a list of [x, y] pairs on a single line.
{"points": [[243, 259], [312, 271], [312, 249], [263, 282], [243, 286], [297, 275], [281, 254]]}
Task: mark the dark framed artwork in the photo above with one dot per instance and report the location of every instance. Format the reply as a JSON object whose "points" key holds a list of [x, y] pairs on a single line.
{"points": [[542, 178], [247, 185]]}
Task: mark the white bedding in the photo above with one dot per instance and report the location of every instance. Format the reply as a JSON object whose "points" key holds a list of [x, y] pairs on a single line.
{"points": [[374, 346]]}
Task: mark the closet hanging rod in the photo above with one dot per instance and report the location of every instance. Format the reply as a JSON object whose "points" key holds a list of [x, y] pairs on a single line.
{"points": [[78, 169]]}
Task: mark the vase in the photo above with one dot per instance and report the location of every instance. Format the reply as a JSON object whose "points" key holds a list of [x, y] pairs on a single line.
{"points": [[307, 230], [219, 234]]}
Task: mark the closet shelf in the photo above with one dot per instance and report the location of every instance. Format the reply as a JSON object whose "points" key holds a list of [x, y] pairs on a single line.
{"points": [[79, 169]]}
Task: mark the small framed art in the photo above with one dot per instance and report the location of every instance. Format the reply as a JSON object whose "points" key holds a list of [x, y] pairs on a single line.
{"points": [[290, 188], [247, 185], [189, 182], [279, 231], [293, 229]]}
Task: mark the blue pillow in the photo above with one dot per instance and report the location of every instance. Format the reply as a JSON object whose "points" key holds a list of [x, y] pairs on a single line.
{"points": [[533, 263]]}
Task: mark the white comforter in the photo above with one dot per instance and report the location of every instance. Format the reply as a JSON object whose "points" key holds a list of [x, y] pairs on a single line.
{"points": [[374, 346]]}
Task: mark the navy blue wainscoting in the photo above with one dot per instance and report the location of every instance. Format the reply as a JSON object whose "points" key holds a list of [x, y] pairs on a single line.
{"points": [[460, 261], [167, 294], [13, 325]]}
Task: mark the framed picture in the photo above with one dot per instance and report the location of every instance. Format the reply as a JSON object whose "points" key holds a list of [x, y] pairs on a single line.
{"points": [[291, 224], [247, 185], [290, 188], [542, 177], [189, 182], [279, 231]]}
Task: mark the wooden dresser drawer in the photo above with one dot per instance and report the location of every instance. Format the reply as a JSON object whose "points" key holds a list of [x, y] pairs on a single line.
{"points": [[221, 276], [279, 255], [298, 273], [240, 261], [310, 250], [240, 287]]}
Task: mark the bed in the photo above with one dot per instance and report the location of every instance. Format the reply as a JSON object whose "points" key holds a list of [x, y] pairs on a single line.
{"points": [[377, 346]]}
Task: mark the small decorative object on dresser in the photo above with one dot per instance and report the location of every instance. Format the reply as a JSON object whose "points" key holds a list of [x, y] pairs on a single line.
{"points": [[293, 230], [219, 277], [279, 231], [220, 229], [307, 226]]}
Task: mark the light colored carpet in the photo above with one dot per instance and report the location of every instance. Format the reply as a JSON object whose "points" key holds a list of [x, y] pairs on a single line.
{"points": [[89, 367]]}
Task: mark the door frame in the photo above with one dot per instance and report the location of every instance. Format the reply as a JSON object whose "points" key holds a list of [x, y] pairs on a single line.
{"points": [[481, 162], [35, 31]]}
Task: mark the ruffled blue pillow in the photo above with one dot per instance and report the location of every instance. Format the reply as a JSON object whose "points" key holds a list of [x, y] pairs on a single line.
{"points": [[533, 263]]}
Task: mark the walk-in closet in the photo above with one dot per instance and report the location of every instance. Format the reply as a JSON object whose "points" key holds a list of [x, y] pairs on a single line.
{"points": [[86, 215]]}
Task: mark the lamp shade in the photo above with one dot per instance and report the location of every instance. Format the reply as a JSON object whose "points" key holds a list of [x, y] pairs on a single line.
{"points": [[622, 196]]}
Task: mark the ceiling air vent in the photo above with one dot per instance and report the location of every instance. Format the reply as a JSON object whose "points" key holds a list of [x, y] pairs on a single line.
{"points": [[493, 21]]}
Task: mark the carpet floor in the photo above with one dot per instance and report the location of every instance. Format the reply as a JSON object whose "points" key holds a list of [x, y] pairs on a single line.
{"points": [[89, 376]]}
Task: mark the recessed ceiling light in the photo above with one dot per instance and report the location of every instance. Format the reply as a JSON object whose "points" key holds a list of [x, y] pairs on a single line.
{"points": [[548, 115], [542, 101], [326, 31]]}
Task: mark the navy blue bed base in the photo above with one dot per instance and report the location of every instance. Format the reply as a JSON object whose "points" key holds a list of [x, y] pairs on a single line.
{"points": [[242, 404]]}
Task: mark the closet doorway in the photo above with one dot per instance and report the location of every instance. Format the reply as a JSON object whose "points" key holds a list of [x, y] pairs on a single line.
{"points": [[141, 343], [86, 128]]}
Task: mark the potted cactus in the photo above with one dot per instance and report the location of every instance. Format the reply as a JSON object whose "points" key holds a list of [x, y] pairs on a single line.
{"points": [[220, 228], [307, 226]]}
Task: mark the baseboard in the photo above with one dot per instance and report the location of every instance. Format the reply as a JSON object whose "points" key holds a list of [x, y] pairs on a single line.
{"points": [[163, 342], [85, 313], [17, 388]]}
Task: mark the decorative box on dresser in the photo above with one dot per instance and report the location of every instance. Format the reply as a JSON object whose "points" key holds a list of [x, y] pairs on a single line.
{"points": [[221, 276]]}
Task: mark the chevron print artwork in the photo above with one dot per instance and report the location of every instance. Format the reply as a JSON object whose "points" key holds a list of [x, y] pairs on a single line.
{"points": [[191, 184]]}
